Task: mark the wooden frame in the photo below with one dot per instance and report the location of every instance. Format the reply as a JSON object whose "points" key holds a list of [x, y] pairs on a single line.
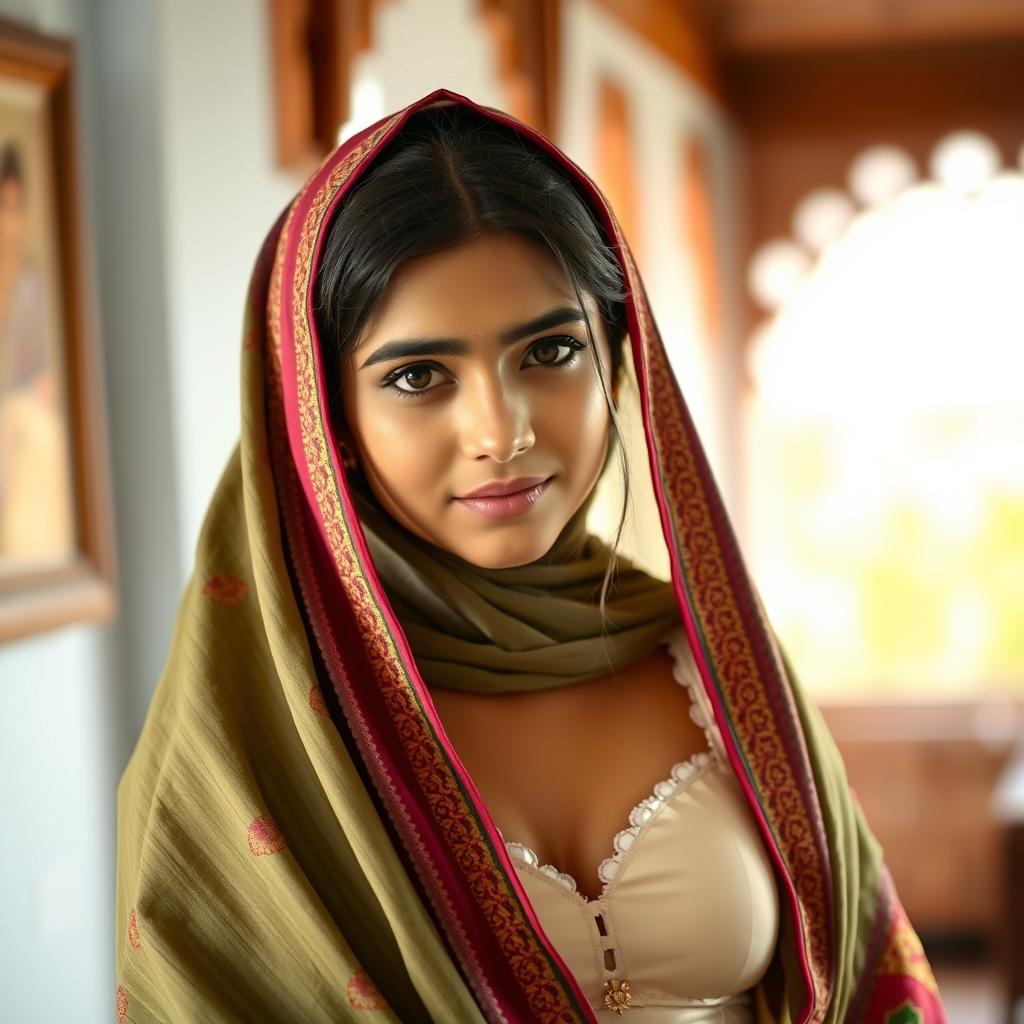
{"points": [[57, 561], [315, 42]]}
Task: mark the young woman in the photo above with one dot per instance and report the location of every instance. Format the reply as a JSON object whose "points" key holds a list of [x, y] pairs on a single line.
{"points": [[425, 748]]}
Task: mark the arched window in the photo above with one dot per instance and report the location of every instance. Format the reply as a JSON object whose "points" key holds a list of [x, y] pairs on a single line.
{"points": [[885, 425]]}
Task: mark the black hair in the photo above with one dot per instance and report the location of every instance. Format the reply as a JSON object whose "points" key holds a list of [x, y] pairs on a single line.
{"points": [[451, 176]]}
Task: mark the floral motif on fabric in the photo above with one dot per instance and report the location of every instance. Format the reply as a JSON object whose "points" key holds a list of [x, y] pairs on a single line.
{"points": [[133, 931], [363, 994], [905, 1013], [225, 589], [265, 837], [904, 953], [317, 702]]}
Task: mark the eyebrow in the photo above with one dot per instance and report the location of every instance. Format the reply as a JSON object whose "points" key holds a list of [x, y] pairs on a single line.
{"points": [[402, 347]]}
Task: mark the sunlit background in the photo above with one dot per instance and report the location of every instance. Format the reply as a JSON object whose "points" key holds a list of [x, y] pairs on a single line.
{"points": [[826, 203], [885, 425]]}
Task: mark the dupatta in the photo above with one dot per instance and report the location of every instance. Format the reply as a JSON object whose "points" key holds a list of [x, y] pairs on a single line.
{"points": [[298, 839]]}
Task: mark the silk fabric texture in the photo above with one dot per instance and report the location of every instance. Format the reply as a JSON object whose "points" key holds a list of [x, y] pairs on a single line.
{"points": [[297, 838]]}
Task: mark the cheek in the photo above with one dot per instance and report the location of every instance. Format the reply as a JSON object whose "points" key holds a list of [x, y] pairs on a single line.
{"points": [[592, 410], [403, 453], [576, 424]]}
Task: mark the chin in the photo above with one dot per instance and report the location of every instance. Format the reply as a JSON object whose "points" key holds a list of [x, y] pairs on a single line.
{"points": [[504, 563], [501, 563], [509, 554]]}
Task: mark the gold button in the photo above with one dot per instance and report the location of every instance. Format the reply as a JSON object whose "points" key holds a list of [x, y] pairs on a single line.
{"points": [[616, 995]]}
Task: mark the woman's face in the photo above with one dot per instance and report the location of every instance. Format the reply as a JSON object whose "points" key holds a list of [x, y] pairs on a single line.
{"points": [[473, 371]]}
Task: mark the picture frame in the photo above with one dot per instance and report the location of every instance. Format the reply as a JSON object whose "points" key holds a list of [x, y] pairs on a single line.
{"points": [[57, 553]]}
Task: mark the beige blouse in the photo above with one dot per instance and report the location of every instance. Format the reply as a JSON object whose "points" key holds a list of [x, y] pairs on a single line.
{"points": [[688, 913]]}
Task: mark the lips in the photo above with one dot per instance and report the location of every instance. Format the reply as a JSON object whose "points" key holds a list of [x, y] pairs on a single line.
{"points": [[509, 505], [502, 488]]}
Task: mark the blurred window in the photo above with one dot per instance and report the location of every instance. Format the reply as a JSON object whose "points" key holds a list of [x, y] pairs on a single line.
{"points": [[885, 426]]}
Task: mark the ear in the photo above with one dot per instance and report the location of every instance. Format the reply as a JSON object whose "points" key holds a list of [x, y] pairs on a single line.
{"points": [[346, 451]]}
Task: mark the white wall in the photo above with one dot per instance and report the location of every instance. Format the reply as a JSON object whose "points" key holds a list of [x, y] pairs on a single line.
{"points": [[61, 744], [219, 196], [417, 46]]}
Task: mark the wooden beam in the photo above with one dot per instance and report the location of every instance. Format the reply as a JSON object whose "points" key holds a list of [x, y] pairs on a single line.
{"points": [[753, 26], [680, 30], [526, 37]]}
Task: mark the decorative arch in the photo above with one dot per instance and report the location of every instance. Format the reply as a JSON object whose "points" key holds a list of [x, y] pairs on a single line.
{"points": [[884, 427]]}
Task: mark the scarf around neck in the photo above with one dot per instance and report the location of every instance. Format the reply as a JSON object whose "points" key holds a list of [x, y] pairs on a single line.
{"points": [[532, 627]]}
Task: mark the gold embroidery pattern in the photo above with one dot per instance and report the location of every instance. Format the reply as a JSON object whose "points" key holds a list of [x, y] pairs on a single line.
{"points": [[904, 953], [715, 607], [548, 1000]]}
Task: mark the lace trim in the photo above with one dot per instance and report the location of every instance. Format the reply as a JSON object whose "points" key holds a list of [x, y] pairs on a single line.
{"points": [[645, 811], [682, 656]]}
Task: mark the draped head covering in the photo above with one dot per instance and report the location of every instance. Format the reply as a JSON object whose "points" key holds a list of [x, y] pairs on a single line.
{"points": [[297, 838]]}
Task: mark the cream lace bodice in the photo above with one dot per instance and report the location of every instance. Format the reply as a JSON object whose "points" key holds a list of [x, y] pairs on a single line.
{"points": [[687, 917]]}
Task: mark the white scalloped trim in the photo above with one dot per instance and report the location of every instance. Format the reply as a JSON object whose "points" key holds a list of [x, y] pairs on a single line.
{"points": [[527, 856], [682, 656], [646, 809]]}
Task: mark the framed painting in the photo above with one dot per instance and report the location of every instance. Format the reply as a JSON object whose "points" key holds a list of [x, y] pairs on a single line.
{"points": [[57, 561]]}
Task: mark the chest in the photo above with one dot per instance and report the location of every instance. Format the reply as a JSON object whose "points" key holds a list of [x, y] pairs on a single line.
{"points": [[560, 770]]}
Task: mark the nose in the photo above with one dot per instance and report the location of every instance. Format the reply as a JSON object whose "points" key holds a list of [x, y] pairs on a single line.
{"points": [[494, 421]]}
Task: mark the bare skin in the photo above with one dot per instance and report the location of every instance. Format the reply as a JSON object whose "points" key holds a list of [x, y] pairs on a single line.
{"points": [[560, 769]]}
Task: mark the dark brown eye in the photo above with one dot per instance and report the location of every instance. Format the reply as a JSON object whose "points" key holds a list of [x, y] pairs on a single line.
{"points": [[551, 347], [413, 381], [422, 372]]}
